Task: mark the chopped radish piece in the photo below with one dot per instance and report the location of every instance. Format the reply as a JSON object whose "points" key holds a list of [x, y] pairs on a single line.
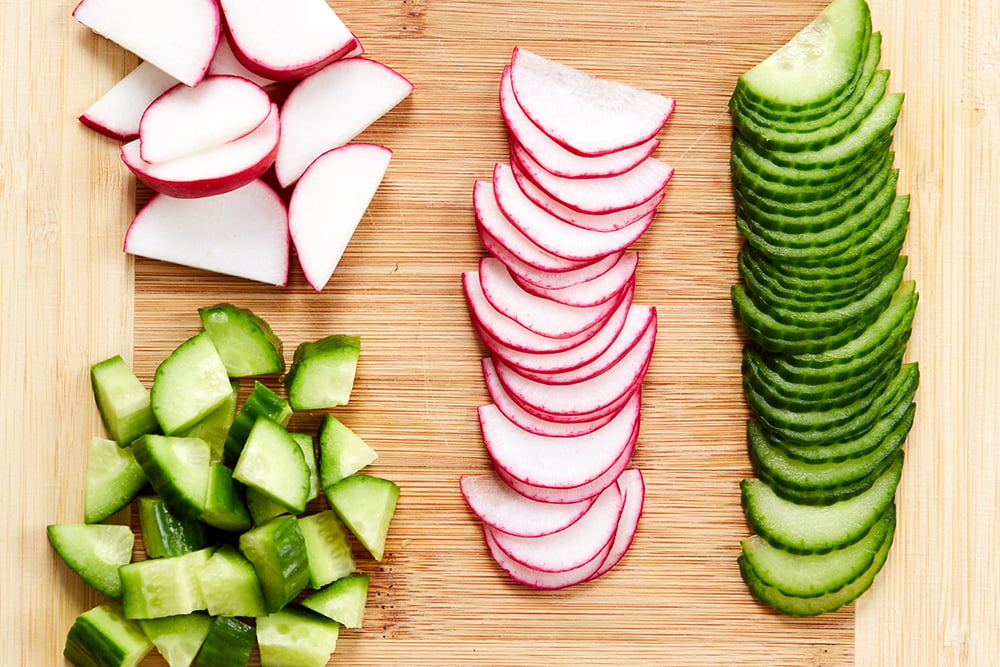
{"points": [[213, 171], [329, 108], [589, 292], [329, 201], [632, 486], [586, 114], [117, 113], [507, 511], [285, 40], [185, 120], [241, 233], [224, 62], [179, 37], [539, 579]]}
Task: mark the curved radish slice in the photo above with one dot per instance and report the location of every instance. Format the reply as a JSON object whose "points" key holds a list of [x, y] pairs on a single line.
{"points": [[186, 120], [214, 171], [555, 158], [599, 194], [530, 275], [117, 112], [638, 331], [555, 462], [633, 487], [537, 578], [608, 410], [573, 546], [602, 222], [534, 313], [586, 114], [555, 235], [505, 510], [589, 292], [224, 62]]}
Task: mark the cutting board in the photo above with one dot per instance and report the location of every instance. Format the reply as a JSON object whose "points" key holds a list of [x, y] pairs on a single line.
{"points": [[71, 298]]}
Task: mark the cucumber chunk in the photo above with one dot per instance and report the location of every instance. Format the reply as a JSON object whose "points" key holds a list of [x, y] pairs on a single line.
{"points": [[366, 505], [160, 587], [102, 637], [308, 447], [262, 402], [224, 506], [272, 463], [277, 551], [166, 534], [178, 638], [214, 427], [228, 644], [341, 451], [245, 342], [95, 552], [262, 509], [114, 477], [189, 384], [322, 372], [123, 402], [327, 549], [177, 469], [230, 585], [343, 600], [296, 637]]}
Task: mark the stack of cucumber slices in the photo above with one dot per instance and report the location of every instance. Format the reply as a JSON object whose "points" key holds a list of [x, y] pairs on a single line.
{"points": [[238, 546], [827, 310]]}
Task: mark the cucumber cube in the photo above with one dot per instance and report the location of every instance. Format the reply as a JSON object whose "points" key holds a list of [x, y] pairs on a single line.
{"points": [[245, 342], [102, 637], [165, 533], [95, 552], [322, 372], [123, 402], [278, 553], [214, 427], [272, 463], [366, 505], [224, 508], [228, 644], [341, 452], [296, 637], [178, 638], [160, 587], [177, 469], [113, 479], [189, 384], [230, 585], [343, 600], [262, 402], [327, 548]]}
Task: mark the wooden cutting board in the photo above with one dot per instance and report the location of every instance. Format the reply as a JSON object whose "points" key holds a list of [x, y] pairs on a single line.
{"points": [[71, 298]]}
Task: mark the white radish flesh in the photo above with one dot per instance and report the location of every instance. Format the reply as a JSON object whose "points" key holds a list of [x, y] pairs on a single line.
{"points": [[117, 112], [592, 292], [633, 488], [507, 511]]}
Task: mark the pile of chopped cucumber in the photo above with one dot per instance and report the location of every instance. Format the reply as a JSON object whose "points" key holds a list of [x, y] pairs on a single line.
{"points": [[234, 550]]}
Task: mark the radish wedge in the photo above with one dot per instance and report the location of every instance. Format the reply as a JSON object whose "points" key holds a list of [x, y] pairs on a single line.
{"points": [[116, 114], [507, 511]]}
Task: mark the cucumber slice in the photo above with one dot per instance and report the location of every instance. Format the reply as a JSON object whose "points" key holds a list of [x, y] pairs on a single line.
{"points": [[296, 637], [95, 552], [228, 644], [809, 529], [166, 534], [272, 463], [327, 549], [821, 496], [114, 477], [366, 505], [160, 587], [341, 452], [245, 342], [177, 469], [189, 384], [262, 402], [278, 553], [343, 600], [230, 585], [322, 372], [121, 399], [102, 637], [224, 506], [178, 638], [214, 427]]}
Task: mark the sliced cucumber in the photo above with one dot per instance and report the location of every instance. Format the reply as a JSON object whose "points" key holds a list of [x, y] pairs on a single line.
{"points": [[341, 451], [166, 534], [123, 402], [230, 585], [327, 549], [262, 402], [343, 600], [102, 637], [228, 644], [366, 505], [296, 637], [114, 477], [178, 638], [224, 506], [272, 463], [189, 384], [322, 372], [277, 551], [245, 342], [95, 552], [177, 469], [214, 427], [160, 587]]}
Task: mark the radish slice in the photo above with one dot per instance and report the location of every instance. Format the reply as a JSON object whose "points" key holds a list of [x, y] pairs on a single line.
{"points": [[589, 293], [507, 511], [117, 113], [224, 62], [526, 274], [543, 580], [633, 488], [586, 114], [572, 547]]}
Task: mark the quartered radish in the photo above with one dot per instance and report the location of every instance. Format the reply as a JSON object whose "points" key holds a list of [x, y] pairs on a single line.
{"points": [[505, 510], [117, 112]]}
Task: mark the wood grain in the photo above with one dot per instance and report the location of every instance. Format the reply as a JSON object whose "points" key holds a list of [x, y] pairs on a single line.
{"points": [[69, 297]]}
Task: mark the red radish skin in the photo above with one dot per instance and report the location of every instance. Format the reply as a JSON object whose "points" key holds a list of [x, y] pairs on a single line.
{"points": [[537, 578], [592, 292], [633, 488], [526, 274], [502, 508], [117, 113]]}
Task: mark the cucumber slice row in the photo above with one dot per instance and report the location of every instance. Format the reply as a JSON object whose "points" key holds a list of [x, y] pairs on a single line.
{"points": [[828, 311]]}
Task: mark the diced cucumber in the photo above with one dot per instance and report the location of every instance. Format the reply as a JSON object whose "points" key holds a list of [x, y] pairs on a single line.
{"points": [[230, 585], [262, 509], [102, 637], [114, 477], [214, 427], [272, 463], [308, 447], [296, 637], [178, 638], [341, 451], [343, 600], [166, 534], [177, 469], [327, 548], [366, 505], [277, 551], [95, 552], [224, 506], [189, 384], [160, 587], [262, 402], [245, 342], [228, 644], [123, 402], [322, 372]]}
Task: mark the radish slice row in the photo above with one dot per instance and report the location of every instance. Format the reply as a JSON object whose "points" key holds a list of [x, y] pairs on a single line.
{"points": [[568, 349], [197, 120]]}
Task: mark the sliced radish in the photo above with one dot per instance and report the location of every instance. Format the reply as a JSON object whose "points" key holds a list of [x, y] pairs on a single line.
{"points": [[554, 157], [588, 293], [553, 234], [224, 62], [117, 112], [555, 462], [241, 233], [507, 511], [538, 314], [329, 108], [285, 40], [329, 201], [572, 547], [179, 37], [213, 171], [633, 488], [539, 579], [586, 114], [185, 120], [527, 274]]}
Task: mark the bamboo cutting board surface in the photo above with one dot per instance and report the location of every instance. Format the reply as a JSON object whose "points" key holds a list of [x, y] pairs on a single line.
{"points": [[71, 298]]}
